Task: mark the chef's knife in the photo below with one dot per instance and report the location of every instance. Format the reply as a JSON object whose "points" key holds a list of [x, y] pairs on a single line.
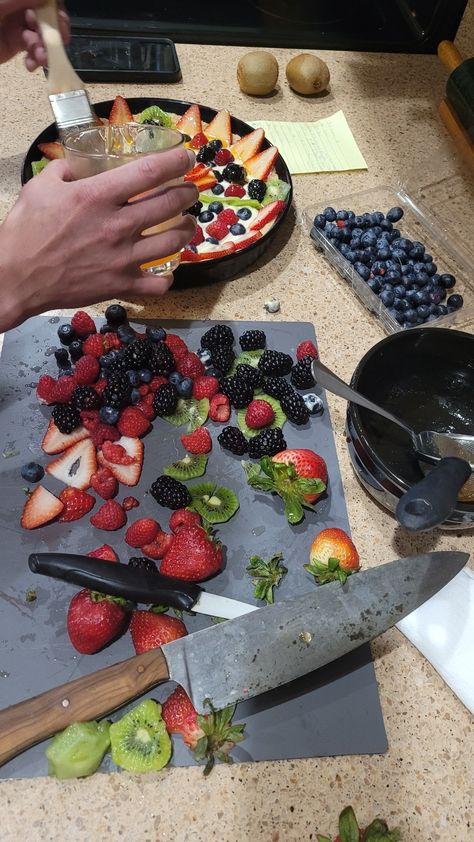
{"points": [[244, 657], [135, 584]]}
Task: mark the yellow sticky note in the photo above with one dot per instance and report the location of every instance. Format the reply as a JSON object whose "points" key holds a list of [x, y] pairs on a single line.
{"points": [[326, 145]]}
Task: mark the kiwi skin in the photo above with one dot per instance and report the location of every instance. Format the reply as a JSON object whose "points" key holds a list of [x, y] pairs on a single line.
{"points": [[189, 467], [257, 73], [307, 74]]}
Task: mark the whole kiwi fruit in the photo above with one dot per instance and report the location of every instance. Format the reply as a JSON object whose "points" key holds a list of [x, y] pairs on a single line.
{"points": [[307, 74], [257, 73]]}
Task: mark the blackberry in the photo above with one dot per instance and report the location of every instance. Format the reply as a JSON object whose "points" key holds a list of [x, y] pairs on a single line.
{"points": [[166, 399], [85, 397], [276, 387], [66, 417], [170, 492], [252, 340], [267, 443], [195, 209], [118, 390], [234, 173], [222, 357], [294, 407], [217, 174], [234, 440], [302, 375], [217, 336], [206, 154], [161, 360], [116, 361], [239, 391], [275, 363], [250, 375], [137, 354], [257, 189], [116, 315], [142, 563]]}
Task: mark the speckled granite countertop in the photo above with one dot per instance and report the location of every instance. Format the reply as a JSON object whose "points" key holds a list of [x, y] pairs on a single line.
{"points": [[424, 782]]}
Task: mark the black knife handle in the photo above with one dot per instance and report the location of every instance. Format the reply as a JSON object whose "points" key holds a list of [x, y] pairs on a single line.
{"points": [[431, 500], [116, 579]]}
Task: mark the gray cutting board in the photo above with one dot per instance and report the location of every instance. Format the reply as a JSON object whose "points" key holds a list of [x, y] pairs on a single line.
{"points": [[334, 711]]}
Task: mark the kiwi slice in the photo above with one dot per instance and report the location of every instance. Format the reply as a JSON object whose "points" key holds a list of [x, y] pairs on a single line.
{"points": [[216, 504], [155, 114], [197, 413], [181, 414], [232, 201], [246, 358], [38, 166], [278, 421], [190, 467], [78, 750], [140, 741]]}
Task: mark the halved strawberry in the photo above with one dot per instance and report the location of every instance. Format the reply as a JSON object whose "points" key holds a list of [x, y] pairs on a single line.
{"points": [[105, 552], [190, 123], [55, 442], [266, 214], [52, 150], [40, 508], [192, 256], [251, 237], [76, 465], [205, 182], [248, 145], [127, 474], [261, 164], [220, 127], [198, 171], [120, 112]]}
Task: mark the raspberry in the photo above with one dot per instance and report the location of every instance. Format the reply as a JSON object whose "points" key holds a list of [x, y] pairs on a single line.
{"points": [[183, 518], [223, 156], [105, 552], [198, 140], [198, 237], [228, 216], [110, 516], [82, 324], [217, 229], [235, 190], [306, 349], [94, 345], [197, 442], [219, 408], [100, 386], [112, 342], [176, 345], [157, 381], [103, 433], [116, 454], [189, 365], [87, 370], [90, 418], [132, 422], [205, 387], [143, 531], [64, 389], [104, 483], [76, 504], [45, 389], [259, 414], [130, 503], [146, 410], [144, 389]]}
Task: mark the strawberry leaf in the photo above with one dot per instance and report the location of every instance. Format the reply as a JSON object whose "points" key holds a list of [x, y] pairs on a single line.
{"points": [[348, 826], [378, 831], [327, 572], [320, 838], [268, 575], [220, 736], [282, 479]]}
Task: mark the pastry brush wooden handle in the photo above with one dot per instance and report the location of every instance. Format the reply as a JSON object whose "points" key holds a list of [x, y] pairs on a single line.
{"points": [[61, 75], [449, 54], [89, 697]]}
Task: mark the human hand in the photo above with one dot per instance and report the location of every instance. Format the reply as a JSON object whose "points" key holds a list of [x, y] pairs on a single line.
{"points": [[19, 31], [72, 243]]}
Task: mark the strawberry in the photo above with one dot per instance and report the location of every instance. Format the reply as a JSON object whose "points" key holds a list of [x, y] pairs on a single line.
{"points": [[198, 172], [132, 422], [93, 621], [247, 239], [177, 347], [217, 229], [182, 518], [104, 552], [87, 370], [116, 454], [189, 365], [219, 408], [261, 164], [150, 630], [110, 516], [228, 216], [158, 380], [266, 214], [306, 349], [76, 504], [46, 388], [104, 483], [193, 556], [143, 531], [120, 112], [146, 409], [308, 464], [126, 474], [248, 145], [76, 465], [297, 476], [83, 324], [180, 717], [104, 432], [55, 442], [223, 157], [64, 388], [159, 547], [220, 127], [193, 257], [197, 442], [198, 237], [259, 414], [198, 140], [52, 150], [41, 506], [90, 418], [129, 503], [94, 345], [332, 556], [235, 190], [205, 387], [190, 123]]}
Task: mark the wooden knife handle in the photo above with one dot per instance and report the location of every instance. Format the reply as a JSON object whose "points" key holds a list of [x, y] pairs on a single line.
{"points": [[61, 75], [449, 54], [90, 697]]}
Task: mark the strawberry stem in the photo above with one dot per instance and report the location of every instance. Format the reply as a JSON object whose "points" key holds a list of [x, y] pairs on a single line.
{"points": [[220, 736], [268, 575], [328, 572], [279, 478]]}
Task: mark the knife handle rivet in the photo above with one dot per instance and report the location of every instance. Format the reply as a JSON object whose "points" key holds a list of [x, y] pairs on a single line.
{"points": [[140, 668], [65, 703]]}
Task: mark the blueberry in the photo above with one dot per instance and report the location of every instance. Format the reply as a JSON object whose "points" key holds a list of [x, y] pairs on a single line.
{"points": [[126, 334], [156, 334], [394, 234], [411, 296], [213, 240], [377, 217], [341, 214], [354, 243], [362, 270], [62, 358], [185, 387], [133, 377], [417, 250], [423, 311], [66, 334], [399, 254], [215, 144], [337, 233], [437, 295], [401, 305], [105, 360], [206, 216], [442, 310], [383, 253], [401, 243], [446, 280], [433, 308], [135, 396], [175, 378], [427, 258], [455, 302], [431, 268], [217, 189], [422, 278], [358, 220], [346, 234], [192, 248], [344, 248], [329, 214], [376, 229], [357, 232], [212, 371], [399, 291], [145, 375], [109, 415], [350, 256], [237, 229], [387, 297], [75, 349], [351, 215], [394, 214], [313, 404], [366, 220], [204, 355], [319, 220], [32, 472], [393, 276], [368, 239], [411, 316], [378, 267], [215, 207], [116, 315], [374, 285], [244, 213], [399, 316], [386, 225]]}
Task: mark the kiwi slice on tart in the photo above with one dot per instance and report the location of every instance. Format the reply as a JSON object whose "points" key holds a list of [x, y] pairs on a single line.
{"points": [[278, 421], [189, 467], [155, 115], [139, 740], [216, 504]]}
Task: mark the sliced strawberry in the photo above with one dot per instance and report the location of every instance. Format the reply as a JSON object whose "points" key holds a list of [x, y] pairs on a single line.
{"points": [[266, 214], [40, 508], [248, 145], [120, 112], [247, 240], [220, 127], [76, 465], [127, 474], [55, 442], [198, 140], [206, 182], [190, 123], [197, 172], [260, 165], [52, 150], [192, 256]]}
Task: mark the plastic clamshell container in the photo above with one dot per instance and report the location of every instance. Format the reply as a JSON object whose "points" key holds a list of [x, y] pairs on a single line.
{"points": [[441, 238]]}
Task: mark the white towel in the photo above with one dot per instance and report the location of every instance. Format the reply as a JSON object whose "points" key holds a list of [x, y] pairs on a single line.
{"points": [[443, 630]]}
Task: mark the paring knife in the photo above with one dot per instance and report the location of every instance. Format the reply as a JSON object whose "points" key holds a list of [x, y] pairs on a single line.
{"points": [[135, 584], [244, 657]]}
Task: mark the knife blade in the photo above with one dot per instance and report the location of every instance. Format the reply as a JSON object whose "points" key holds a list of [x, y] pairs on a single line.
{"points": [[246, 656], [135, 584]]}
